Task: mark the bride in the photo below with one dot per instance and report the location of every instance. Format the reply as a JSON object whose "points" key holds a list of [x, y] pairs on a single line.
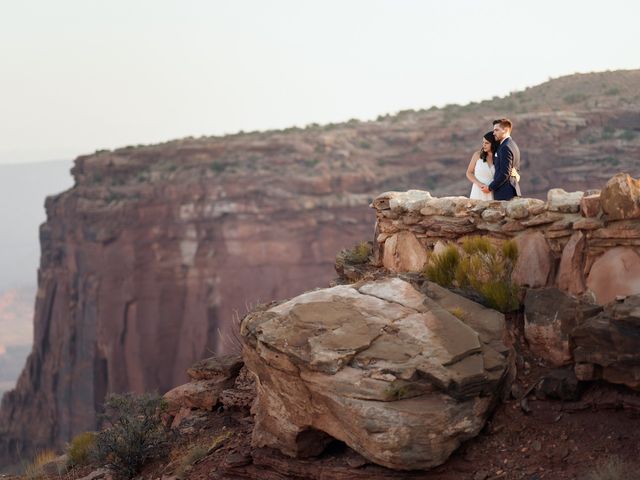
{"points": [[481, 169]]}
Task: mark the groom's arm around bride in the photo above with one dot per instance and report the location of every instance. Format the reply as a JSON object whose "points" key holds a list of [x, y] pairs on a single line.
{"points": [[505, 185]]}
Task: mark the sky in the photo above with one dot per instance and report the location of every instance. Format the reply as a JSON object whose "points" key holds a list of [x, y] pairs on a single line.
{"points": [[82, 75]]}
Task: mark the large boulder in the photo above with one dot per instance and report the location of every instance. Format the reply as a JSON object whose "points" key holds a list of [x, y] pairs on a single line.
{"points": [[570, 273], [620, 197], [534, 260], [400, 376], [615, 273], [607, 346], [403, 252], [550, 316], [558, 200]]}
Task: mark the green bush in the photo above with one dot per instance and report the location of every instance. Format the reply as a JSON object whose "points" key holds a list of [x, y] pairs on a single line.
{"points": [[574, 98], [627, 135], [81, 448], [135, 433], [481, 269], [218, 167]]}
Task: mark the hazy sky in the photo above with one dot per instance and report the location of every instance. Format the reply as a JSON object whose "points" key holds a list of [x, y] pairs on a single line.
{"points": [[81, 75]]}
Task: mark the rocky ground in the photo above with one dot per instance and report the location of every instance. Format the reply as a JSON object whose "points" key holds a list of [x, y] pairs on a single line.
{"points": [[531, 435]]}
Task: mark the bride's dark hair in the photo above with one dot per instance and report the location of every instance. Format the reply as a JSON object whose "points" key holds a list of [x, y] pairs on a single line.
{"points": [[494, 145]]}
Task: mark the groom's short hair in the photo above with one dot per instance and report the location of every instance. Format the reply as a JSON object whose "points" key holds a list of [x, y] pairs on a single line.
{"points": [[504, 123]]}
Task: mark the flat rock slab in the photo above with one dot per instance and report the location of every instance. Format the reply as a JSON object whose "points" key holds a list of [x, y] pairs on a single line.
{"points": [[379, 365]]}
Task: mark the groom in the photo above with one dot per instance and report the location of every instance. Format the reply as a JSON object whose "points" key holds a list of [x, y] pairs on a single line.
{"points": [[505, 184]]}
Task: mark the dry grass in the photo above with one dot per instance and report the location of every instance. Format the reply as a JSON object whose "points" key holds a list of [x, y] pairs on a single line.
{"points": [[442, 267], [193, 455], [458, 312], [34, 469], [481, 268]]}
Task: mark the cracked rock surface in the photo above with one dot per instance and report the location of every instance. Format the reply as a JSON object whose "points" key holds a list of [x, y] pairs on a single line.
{"points": [[388, 370]]}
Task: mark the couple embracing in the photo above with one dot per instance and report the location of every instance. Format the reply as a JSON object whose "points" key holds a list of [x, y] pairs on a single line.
{"points": [[494, 169]]}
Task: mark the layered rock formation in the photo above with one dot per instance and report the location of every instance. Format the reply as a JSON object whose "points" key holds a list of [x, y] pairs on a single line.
{"points": [[384, 368], [582, 243], [146, 262]]}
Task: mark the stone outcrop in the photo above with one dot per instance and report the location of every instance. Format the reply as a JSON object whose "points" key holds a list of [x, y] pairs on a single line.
{"points": [[400, 376], [214, 381], [550, 318], [579, 242], [621, 197], [607, 346]]}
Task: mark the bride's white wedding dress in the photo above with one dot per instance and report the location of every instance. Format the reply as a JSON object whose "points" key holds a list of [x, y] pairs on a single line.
{"points": [[484, 173]]}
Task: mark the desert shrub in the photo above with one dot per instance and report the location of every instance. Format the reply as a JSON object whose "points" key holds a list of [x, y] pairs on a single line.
{"points": [[134, 434], [442, 267], [356, 255], [613, 468], [607, 132], [627, 135], [574, 98], [34, 469], [81, 448], [480, 270], [500, 295], [218, 167], [195, 453], [396, 391]]}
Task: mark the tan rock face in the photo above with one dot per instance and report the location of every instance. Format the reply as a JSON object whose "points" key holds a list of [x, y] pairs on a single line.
{"points": [[571, 271], [534, 260], [382, 367], [621, 197], [616, 272], [404, 253]]}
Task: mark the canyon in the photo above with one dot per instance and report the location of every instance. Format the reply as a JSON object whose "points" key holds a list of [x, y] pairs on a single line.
{"points": [[148, 259]]}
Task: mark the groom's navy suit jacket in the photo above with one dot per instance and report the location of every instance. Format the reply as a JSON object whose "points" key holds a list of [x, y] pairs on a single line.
{"points": [[504, 186]]}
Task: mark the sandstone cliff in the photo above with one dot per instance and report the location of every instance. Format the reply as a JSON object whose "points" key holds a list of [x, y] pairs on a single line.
{"points": [[154, 248]]}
